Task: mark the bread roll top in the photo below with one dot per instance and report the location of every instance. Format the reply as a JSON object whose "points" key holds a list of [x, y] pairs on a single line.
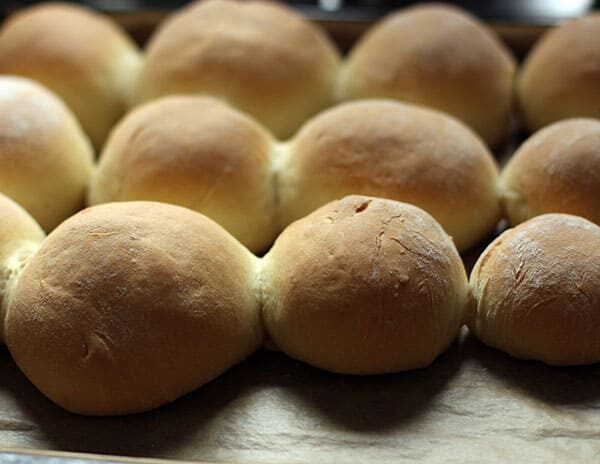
{"points": [[537, 291], [196, 152], [388, 149], [363, 286], [82, 56], [259, 56], [127, 306], [556, 170], [438, 56], [45, 159]]}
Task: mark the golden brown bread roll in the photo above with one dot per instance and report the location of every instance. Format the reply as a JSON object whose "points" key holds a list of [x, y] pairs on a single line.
{"points": [[438, 56], [537, 291], [388, 149], [556, 170], [127, 306], [82, 56], [364, 286], [45, 158], [560, 77], [195, 152], [20, 237], [259, 56]]}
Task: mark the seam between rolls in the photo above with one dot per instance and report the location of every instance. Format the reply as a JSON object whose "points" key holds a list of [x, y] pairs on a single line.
{"points": [[276, 158], [12, 268], [259, 292]]}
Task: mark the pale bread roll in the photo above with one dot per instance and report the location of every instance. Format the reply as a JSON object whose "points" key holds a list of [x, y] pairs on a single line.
{"points": [[195, 152], [127, 306], [556, 170], [364, 286], [45, 158], [537, 291], [20, 237], [259, 56], [388, 149], [438, 56], [560, 77], [82, 56]]}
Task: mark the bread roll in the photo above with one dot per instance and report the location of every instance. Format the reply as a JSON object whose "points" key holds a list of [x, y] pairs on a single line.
{"points": [[560, 77], [45, 158], [259, 56], [195, 152], [20, 237], [127, 306], [438, 56], [537, 291], [82, 56], [364, 286], [556, 170], [392, 150]]}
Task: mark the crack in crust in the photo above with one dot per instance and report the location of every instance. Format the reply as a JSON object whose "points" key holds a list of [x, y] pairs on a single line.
{"points": [[376, 258]]}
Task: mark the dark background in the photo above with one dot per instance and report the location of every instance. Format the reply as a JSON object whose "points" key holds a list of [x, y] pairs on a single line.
{"points": [[532, 12]]}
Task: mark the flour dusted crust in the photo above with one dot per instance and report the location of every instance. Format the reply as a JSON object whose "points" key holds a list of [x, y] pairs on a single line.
{"points": [[556, 170], [82, 56], [438, 56], [389, 149], [127, 306], [45, 158], [364, 286], [199, 153], [259, 56], [560, 77], [537, 291]]}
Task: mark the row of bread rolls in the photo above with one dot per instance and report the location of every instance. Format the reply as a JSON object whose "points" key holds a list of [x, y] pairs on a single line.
{"points": [[434, 55], [200, 153], [128, 306], [266, 60], [185, 150]]}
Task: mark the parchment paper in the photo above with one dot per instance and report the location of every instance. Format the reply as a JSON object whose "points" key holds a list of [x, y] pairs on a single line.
{"points": [[474, 404]]}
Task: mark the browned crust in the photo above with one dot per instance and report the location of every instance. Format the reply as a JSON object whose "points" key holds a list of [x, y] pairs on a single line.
{"points": [[127, 306], [560, 77], [195, 152], [438, 56], [364, 286], [556, 170], [537, 291], [259, 56], [392, 150]]}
